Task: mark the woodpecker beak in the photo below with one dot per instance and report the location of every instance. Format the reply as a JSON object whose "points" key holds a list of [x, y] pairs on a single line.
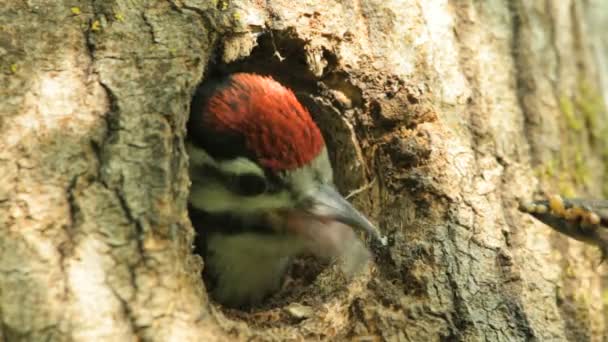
{"points": [[328, 203]]}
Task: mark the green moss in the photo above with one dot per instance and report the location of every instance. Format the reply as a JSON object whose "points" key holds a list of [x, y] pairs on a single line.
{"points": [[605, 183], [570, 168], [605, 296], [567, 108], [565, 185], [551, 168], [119, 16], [590, 104], [583, 299], [546, 171], [582, 173], [584, 137], [569, 271], [95, 26]]}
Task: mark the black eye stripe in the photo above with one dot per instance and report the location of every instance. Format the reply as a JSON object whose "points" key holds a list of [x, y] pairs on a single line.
{"points": [[250, 184], [243, 184]]}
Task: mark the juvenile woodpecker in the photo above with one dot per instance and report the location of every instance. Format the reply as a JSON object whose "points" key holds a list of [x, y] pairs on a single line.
{"points": [[262, 189]]}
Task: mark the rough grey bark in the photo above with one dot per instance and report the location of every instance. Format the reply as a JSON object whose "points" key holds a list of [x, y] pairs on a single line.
{"points": [[444, 112]]}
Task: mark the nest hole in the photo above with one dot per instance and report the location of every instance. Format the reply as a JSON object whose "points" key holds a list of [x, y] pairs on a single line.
{"points": [[280, 55]]}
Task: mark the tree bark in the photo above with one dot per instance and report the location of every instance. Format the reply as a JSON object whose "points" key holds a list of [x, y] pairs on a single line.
{"points": [[443, 113]]}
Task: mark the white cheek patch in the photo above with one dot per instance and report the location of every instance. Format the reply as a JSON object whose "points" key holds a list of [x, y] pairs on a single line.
{"points": [[198, 156], [235, 166], [239, 166]]}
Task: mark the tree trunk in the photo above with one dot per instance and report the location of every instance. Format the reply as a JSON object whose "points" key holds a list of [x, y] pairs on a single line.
{"points": [[444, 114]]}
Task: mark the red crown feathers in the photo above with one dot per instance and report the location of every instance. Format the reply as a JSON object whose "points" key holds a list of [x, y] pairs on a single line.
{"points": [[276, 128]]}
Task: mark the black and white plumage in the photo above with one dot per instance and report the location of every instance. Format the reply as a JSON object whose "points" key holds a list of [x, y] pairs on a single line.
{"points": [[262, 190]]}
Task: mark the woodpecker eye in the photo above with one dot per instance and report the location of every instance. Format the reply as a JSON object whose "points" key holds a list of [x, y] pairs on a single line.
{"points": [[250, 184]]}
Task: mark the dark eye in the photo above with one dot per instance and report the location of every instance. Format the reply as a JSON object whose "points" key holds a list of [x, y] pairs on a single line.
{"points": [[250, 184]]}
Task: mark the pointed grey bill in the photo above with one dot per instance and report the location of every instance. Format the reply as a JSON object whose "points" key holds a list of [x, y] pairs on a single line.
{"points": [[327, 202]]}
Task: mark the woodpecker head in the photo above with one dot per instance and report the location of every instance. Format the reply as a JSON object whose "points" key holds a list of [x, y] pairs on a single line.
{"points": [[254, 149]]}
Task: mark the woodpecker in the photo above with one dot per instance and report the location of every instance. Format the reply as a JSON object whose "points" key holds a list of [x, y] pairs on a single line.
{"points": [[580, 219], [262, 189]]}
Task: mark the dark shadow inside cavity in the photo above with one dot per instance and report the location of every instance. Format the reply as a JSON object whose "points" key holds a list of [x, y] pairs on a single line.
{"points": [[277, 54]]}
